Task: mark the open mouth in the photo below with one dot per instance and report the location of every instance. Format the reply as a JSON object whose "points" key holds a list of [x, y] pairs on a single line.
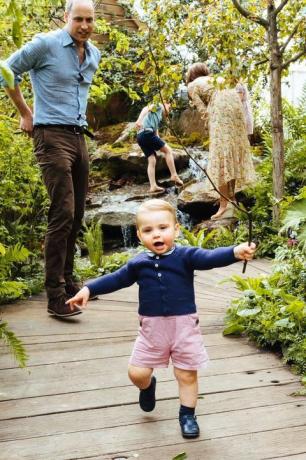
{"points": [[158, 244]]}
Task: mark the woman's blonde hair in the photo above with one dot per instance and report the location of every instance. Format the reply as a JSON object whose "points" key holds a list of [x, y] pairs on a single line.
{"points": [[155, 205], [199, 69]]}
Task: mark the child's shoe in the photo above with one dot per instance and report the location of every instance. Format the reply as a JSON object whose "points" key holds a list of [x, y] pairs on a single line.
{"points": [[189, 426], [147, 396]]}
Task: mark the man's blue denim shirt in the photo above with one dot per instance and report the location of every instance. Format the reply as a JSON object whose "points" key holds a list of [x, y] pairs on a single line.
{"points": [[60, 83]]}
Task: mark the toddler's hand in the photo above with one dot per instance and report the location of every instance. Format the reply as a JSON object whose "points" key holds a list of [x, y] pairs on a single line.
{"points": [[80, 299], [245, 252]]}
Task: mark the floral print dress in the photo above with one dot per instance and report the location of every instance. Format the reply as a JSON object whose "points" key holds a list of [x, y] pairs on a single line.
{"points": [[229, 149]]}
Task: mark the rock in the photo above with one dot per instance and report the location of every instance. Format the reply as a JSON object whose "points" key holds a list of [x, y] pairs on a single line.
{"points": [[128, 161], [116, 211], [190, 123], [109, 134], [128, 132], [196, 202], [211, 224]]}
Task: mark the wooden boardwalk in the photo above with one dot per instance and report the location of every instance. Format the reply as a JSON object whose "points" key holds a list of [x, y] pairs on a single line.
{"points": [[75, 400]]}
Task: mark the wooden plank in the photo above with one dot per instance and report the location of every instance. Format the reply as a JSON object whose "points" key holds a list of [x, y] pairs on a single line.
{"points": [[121, 415], [106, 372], [101, 441], [251, 446], [20, 404], [300, 456], [59, 352]]}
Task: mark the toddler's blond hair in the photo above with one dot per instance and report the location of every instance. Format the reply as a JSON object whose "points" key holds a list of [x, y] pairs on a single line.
{"points": [[155, 205]]}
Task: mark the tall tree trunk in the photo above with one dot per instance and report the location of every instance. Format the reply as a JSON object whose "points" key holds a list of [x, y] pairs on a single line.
{"points": [[276, 113]]}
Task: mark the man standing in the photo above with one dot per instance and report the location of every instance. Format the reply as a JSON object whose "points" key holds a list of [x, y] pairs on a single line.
{"points": [[61, 64]]}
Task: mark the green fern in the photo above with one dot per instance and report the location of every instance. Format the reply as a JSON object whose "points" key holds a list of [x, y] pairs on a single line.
{"points": [[93, 238], [199, 239], [14, 344], [10, 255], [295, 218]]}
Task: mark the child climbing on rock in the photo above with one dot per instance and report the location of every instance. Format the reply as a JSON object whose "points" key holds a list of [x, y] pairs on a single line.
{"points": [[149, 141]]}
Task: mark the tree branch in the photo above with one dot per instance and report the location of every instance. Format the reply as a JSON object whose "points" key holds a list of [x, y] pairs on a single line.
{"points": [[248, 15], [262, 62], [284, 46], [280, 7], [294, 58]]}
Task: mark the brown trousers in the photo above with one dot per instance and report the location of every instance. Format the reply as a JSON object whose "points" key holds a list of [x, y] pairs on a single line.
{"points": [[63, 158]]}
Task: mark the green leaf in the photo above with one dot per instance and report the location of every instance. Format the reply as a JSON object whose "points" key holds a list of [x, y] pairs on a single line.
{"points": [[235, 329], [248, 312], [7, 74], [14, 343], [181, 456], [284, 322]]}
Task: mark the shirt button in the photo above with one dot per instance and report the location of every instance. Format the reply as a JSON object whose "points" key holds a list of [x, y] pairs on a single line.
{"points": [[159, 275], [156, 265]]}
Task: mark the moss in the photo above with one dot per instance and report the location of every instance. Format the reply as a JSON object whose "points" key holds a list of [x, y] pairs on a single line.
{"points": [[120, 147]]}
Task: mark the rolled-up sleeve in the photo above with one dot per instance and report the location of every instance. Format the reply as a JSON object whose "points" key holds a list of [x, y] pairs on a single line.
{"points": [[30, 56]]}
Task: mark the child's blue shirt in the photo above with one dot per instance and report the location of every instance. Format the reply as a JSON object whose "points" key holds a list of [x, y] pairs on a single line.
{"points": [[166, 281], [153, 119]]}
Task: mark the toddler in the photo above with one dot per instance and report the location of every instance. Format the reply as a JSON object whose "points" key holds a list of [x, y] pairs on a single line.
{"points": [[169, 324]]}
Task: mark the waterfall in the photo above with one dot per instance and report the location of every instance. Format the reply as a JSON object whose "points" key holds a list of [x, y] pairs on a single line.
{"points": [[201, 156], [184, 219], [127, 235]]}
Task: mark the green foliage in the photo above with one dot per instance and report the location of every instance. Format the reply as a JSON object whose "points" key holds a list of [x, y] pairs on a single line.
{"points": [[180, 456], [295, 218], [14, 344], [93, 238], [272, 311], [199, 239], [7, 74], [23, 198], [98, 264], [109, 264], [9, 257]]}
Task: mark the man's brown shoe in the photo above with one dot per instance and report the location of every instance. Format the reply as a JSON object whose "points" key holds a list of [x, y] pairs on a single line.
{"points": [[58, 307]]}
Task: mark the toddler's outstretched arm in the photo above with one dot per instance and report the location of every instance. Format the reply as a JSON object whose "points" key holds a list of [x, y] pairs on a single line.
{"points": [[80, 299], [245, 252]]}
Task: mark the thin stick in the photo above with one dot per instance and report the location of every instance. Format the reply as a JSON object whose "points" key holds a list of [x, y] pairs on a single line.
{"points": [[178, 139]]}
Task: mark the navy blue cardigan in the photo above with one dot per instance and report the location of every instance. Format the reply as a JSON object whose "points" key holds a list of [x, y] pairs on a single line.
{"points": [[165, 281]]}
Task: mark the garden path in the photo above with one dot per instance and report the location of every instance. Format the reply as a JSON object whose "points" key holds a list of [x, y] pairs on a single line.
{"points": [[75, 401]]}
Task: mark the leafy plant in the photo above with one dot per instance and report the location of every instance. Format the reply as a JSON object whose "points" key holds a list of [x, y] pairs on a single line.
{"points": [[110, 263], [14, 344], [93, 238], [295, 218], [272, 310], [9, 257], [197, 239]]}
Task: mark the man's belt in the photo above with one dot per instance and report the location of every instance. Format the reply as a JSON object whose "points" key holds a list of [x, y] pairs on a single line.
{"points": [[72, 128]]}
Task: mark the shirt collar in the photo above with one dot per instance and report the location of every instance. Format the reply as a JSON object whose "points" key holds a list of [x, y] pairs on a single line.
{"points": [[152, 254], [68, 40]]}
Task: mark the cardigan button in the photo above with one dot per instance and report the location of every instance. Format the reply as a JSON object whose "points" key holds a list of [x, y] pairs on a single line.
{"points": [[156, 265], [157, 257], [159, 275]]}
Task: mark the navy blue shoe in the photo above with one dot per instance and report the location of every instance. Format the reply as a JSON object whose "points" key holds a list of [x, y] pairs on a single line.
{"points": [[189, 426], [147, 396]]}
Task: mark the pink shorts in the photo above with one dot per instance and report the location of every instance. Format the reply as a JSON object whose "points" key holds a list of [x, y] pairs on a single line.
{"points": [[162, 337]]}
